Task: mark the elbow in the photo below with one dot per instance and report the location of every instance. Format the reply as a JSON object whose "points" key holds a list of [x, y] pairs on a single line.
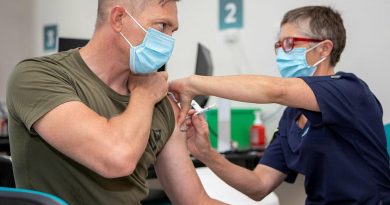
{"points": [[117, 167], [258, 196]]}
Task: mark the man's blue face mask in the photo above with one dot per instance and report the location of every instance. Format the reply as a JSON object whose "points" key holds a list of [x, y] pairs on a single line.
{"points": [[294, 64], [154, 51]]}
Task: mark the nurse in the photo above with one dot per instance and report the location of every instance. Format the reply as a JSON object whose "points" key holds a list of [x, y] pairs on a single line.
{"points": [[331, 131]]}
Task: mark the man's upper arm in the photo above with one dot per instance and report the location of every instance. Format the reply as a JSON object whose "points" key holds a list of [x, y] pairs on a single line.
{"points": [[42, 99], [73, 134], [176, 172]]}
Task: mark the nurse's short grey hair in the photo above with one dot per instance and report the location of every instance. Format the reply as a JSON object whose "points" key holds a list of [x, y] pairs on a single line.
{"points": [[320, 22], [134, 6]]}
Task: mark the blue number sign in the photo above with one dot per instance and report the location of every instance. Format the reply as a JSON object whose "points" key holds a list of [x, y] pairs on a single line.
{"points": [[50, 33], [230, 14]]}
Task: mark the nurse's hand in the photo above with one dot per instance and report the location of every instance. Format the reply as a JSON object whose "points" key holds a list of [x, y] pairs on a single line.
{"points": [[183, 92], [198, 139]]}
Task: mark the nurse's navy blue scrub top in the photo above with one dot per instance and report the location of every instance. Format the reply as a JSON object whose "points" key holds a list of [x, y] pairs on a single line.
{"points": [[341, 150]]}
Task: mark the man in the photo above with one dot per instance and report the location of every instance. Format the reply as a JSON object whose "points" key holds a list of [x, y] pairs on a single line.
{"points": [[331, 131], [85, 127]]}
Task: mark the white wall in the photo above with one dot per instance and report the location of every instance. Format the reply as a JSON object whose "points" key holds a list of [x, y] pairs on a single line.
{"points": [[15, 40], [75, 19], [367, 24], [366, 53]]}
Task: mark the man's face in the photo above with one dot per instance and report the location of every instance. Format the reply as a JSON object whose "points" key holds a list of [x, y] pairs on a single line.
{"points": [[162, 17]]}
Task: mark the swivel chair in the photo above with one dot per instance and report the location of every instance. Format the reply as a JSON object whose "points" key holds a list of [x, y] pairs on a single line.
{"points": [[13, 196], [387, 130], [6, 173]]}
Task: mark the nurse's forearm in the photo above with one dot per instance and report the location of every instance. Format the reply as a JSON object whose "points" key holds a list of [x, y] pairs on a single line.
{"points": [[292, 92], [246, 88], [242, 179]]}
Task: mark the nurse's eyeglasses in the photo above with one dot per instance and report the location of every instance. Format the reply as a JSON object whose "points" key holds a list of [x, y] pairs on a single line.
{"points": [[288, 43]]}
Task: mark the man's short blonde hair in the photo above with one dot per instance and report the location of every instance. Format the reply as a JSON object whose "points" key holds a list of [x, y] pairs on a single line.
{"points": [[133, 6]]}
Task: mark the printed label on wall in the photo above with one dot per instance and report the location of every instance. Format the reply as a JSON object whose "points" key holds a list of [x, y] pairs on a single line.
{"points": [[230, 14], [50, 34]]}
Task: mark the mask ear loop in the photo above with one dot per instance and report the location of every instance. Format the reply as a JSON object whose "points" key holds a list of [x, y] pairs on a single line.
{"points": [[320, 61], [136, 21], [126, 39]]}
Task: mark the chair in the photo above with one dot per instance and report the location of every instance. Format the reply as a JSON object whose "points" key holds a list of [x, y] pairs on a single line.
{"points": [[13, 196], [218, 189], [387, 130], [6, 173]]}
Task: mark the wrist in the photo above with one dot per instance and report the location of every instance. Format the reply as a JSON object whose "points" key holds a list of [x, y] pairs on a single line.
{"points": [[209, 156], [192, 85], [141, 98]]}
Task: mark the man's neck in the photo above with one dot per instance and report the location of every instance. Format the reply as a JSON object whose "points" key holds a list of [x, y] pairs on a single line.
{"points": [[105, 60]]}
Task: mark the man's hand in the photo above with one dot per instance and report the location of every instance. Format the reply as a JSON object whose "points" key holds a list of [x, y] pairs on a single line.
{"points": [[198, 136], [153, 86], [183, 93]]}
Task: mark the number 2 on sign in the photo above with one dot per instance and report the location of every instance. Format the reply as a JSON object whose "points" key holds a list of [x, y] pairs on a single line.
{"points": [[231, 8]]}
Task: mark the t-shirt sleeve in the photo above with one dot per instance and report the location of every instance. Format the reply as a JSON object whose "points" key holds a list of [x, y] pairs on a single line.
{"points": [[339, 97], [273, 157], [35, 88]]}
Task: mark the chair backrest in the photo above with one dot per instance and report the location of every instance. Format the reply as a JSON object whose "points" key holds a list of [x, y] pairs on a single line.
{"points": [[387, 130], [6, 173], [13, 196]]}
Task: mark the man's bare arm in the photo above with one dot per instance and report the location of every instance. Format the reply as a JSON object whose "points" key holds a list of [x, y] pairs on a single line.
{"points": [[86, 137], [177, 174]]}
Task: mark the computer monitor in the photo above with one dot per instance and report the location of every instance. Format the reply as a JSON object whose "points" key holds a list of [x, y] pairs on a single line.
{"points": [[204, 66], [65, 44]]}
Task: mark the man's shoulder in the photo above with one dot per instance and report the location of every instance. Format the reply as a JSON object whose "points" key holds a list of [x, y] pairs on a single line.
{"points": [[45, 61]]}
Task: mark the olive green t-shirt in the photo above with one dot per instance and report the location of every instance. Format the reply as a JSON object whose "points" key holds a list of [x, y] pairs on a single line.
{"points": [[37, 86]]}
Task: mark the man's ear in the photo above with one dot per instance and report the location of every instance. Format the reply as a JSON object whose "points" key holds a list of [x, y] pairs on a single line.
{"points": [[116, 17], [326, 48]]}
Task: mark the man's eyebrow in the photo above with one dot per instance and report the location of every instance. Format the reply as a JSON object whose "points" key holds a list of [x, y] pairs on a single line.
{"points": [[169, 22]]}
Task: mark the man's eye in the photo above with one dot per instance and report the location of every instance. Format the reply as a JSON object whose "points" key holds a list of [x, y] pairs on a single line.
{"points": [[161, 26]]}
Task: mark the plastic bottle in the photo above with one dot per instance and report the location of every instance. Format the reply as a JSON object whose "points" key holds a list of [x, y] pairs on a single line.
{"points": [[2, 121], [257, 132]]}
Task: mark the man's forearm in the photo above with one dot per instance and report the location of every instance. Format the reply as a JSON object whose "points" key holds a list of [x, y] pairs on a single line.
{"points": [[129, 131]]}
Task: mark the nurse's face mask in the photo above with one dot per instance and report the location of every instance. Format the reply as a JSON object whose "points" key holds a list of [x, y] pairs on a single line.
{"points": [[154, 51], [292, 61]]}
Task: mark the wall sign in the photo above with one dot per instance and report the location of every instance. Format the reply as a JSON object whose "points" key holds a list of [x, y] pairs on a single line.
{"points": [[50, 34], [230, 14]]}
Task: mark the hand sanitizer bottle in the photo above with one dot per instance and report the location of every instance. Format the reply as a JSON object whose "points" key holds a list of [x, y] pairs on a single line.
{"points": [[257, 132]]}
